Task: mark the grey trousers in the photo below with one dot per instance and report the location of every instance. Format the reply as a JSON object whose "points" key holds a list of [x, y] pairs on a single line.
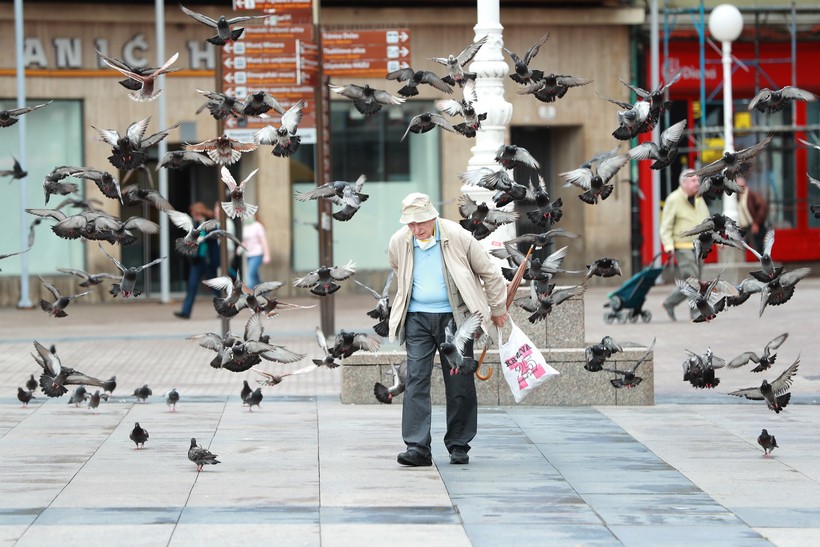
{"points": [[687, 266], [424, 335]]}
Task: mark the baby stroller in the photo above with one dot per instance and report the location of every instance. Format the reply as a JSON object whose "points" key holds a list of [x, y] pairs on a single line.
{"points": [[626, 303]]}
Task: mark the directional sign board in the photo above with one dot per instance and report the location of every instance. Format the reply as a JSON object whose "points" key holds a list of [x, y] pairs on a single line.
{"points": [[365, 53], [290, 6]]}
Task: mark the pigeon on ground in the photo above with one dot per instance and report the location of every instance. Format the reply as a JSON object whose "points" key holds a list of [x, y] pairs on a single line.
{"points": [[415, 78], [55, 376], [523, 73], [79, 396], [129, 276], [31, 383], [346, 344], [322, 281], [597, 354], [767, 442], [171, 399], [550, 87], [511, 156], [284, 139], [465, 109], [427, 121], [177, 159], [665, 152], [595, 184], [147, 90], [382, 310], [246, 390], [770, 101], [237, 206], [479, 219], [456, 340], [10, 117], [130, 151], [53, 182], [110, 385], [58, 306], [139, 436], [254, 399], [777, 393], [386, 394], [367, 100], [456, 75], [732, 164], [348, 195], [764, 361], [222, 150], [271, 380], [25, 396], [95, 398], [142, 393], [699, 370], [200, 456], [780, 289], [224, 32], [629, 378], [328, 360], [260, 102], [603, 267], [16, 172], [132, 84]]}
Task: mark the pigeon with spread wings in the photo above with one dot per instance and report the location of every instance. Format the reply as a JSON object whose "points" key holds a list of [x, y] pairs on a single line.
{"points": [[322, 281], [763, 361], [628, 377], [733, 164], [130, 151], [770, 101], [57, 308], [523, 73], [665, 152], [55, 376], [126, 286], [223, 150], [147, 90], [237, 206], [776, 394], [456, 75], [367, 100], [10, 117], [415, 78], [284, 139], [595, 184], [346, 194], [223, 26]]}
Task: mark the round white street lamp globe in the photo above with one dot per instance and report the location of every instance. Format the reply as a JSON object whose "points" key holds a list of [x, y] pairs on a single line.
{"points": [[725, 23]]}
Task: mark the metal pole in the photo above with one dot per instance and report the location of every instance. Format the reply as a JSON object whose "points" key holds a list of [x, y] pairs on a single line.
{"points": [[162, 147], [729, 202], [225, 322], [656, 175], [25, 301], [323, 174]]}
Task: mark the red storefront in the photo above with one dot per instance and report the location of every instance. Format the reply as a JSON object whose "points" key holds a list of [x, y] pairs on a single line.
{"points": [[782, 174]]}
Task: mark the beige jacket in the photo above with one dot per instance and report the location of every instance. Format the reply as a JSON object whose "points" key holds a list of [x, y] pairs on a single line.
{"points": [[679, 216], [466, 263]]}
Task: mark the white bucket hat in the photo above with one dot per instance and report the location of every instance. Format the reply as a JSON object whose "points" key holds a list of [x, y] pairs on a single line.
{"points": [[417, 207]]}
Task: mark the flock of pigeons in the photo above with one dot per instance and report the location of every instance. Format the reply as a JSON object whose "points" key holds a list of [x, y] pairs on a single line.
{"points": [[238, 353]]}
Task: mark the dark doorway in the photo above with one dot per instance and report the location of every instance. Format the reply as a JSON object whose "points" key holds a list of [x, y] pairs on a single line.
{"points": [[538, 142]]}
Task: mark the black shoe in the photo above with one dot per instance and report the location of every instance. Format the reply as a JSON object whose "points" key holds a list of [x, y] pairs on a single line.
{"points": [[181, 315], [459, 456], [414, 459], [670, 311]]}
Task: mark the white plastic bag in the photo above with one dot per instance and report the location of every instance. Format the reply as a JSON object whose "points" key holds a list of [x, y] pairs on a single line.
{"points": [[524, 366]]}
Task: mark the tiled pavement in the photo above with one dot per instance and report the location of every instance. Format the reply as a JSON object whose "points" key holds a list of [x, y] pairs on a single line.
{"points": [[306, 470]]}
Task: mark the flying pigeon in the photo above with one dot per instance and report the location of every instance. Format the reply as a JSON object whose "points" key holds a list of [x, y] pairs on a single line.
{"points": [[10, 117], [769, 102], [537, 269], [346, 344], [540, 302], [129, 276], [171, 399], [427, 121], [415, 78], [745, 289], [386, 394], [539, 240], [271, 380], [767, 270], [223, 150], [139, 436], [629, 379], [456, 340], [4, 256], [708, 298], [546, 212], [129, 151], [382, 310], [714, 186], [220, 105], [177, 159], [254, 399], [110, 385], [597, 354], [322, 281], [16, 172], [633, 120], [260, 102], [135, 195], [603, 267], [507, 190], [699, 370], [24, 396], [328, 360], [523, 73], [147, 90], [55, 376], [511, 156], [230, 304], [764, 361], [57, 308], [95, 398], [107, 183], [665, 152], [224, 32], [767, 442], [256, 341], [189, 243], [456, 75], [132, 84], [142, 393], [237, 206], [733, 164], [346, 194], [200, 456], [595, 184], [53, 182], [656, 101], [776, 394], [547, 88], [780, 289], [479, 219], [367, 100], [284, 139], [465, 109]]}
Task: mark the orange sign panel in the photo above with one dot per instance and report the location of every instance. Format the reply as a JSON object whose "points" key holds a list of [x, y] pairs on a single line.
{"points": [[365, 53]]}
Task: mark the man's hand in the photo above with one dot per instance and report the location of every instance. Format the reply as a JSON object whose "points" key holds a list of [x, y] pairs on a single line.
{"points": [[499, 320], [669, 258]]}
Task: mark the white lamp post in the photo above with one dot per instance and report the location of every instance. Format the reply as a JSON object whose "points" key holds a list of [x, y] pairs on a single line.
{"points": [[726, 24]]}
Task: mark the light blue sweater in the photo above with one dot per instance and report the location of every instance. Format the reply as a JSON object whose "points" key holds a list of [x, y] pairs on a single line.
{"points": [[429, 292]]}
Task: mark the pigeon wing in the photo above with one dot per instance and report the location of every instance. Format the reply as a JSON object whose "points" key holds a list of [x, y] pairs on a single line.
{"points": [[340, 273], [783, 382]]}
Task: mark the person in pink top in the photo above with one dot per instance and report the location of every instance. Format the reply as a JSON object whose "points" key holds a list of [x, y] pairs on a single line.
{"points": [[256, 243]]}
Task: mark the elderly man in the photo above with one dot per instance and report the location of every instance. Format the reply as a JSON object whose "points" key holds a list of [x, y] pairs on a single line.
{"points": [[682, 211], [443, 273]]}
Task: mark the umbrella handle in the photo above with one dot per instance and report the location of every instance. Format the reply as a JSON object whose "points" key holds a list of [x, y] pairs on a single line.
{"points": [[478, 374]]}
